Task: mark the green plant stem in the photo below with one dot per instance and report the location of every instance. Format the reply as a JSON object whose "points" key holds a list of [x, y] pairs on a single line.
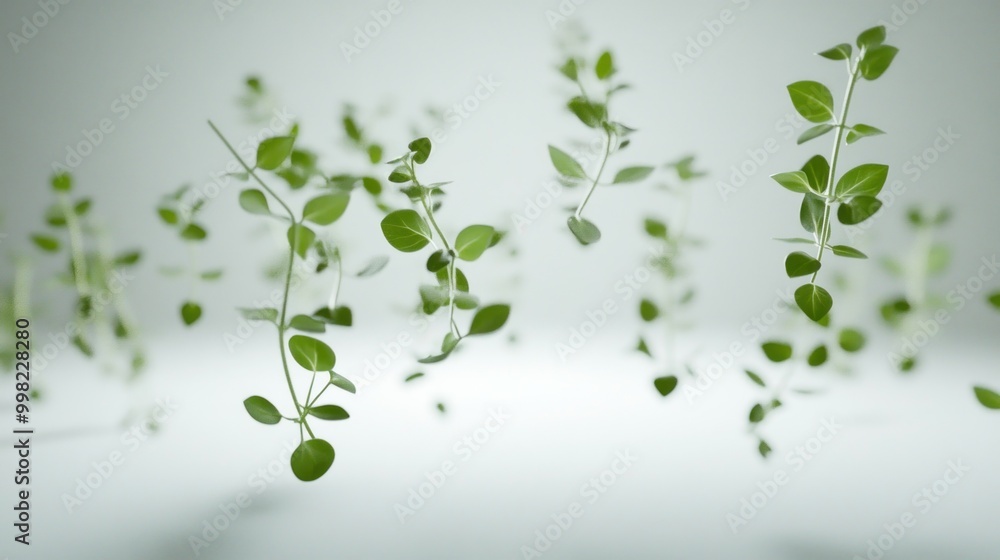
{"points": [[597, 179], [76, 250], [288, 278], [452, 287], [838, 140]]}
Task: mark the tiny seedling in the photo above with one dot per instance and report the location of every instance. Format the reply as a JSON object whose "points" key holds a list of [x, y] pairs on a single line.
{"points": [[854, 194], [314, 456], [667, 303], [594, 114], [927, 258], [410, 230], [183, 219], [102, 320]]}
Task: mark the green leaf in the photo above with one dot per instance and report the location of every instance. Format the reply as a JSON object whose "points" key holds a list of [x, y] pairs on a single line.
{"points": [[45, 242], [489, 319], [633, 174], [326, 209], [818, 356], [406, 231], [817, 171], [859, 131], [400, 175], [311, 354], [796, 240], [876, 61], [433, 297], [800, 264], [871, 37], [656, 228], [311, 459], [811, 214], [373, 267], [812, 100], [129, 258], [814, 132], [839, 52], [421, 148], [814, 301], [858, 209], [271, 153], [938, 258], [190, 312], [440, 407], [849, 252], [82, 207], [374, 153], [342, 382], [584, 230], [328, 412], [987, 397], [570, 69], [210, 275], [472, 241], [851, 340], [648, 310], [994, 300], [466, 301], [777, 352], [193, 232], [413, 377], [306, 323], [565, 164], [461, 282], [590, 113], [254, 202], [665, 385], [340, 315], [300, 238], [264, 314], [764, 449], [605, 66], [261, 410], [755, 378], [351, 128], [438, 260], [795, 181], [643, 347], [757, 413], [372, 185], [62, 182], [864, 180]]}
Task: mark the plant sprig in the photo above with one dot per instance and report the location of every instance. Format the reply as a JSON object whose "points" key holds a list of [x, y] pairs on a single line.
{"points": [[410, 230], [314, 456], [854, 193], [593, 112]]}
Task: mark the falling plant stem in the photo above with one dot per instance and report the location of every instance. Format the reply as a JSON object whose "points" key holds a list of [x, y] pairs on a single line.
{"points": [[340, 278], [838, 140], [597, 179], [288, 278], [452, 289], [75, 246]]}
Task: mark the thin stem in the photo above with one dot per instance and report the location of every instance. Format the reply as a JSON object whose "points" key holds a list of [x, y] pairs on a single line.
{"points": [[320, 394], [340, 278], [288, 276], [828, 193], [77, 255], [597, 179], [452, 288]]}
